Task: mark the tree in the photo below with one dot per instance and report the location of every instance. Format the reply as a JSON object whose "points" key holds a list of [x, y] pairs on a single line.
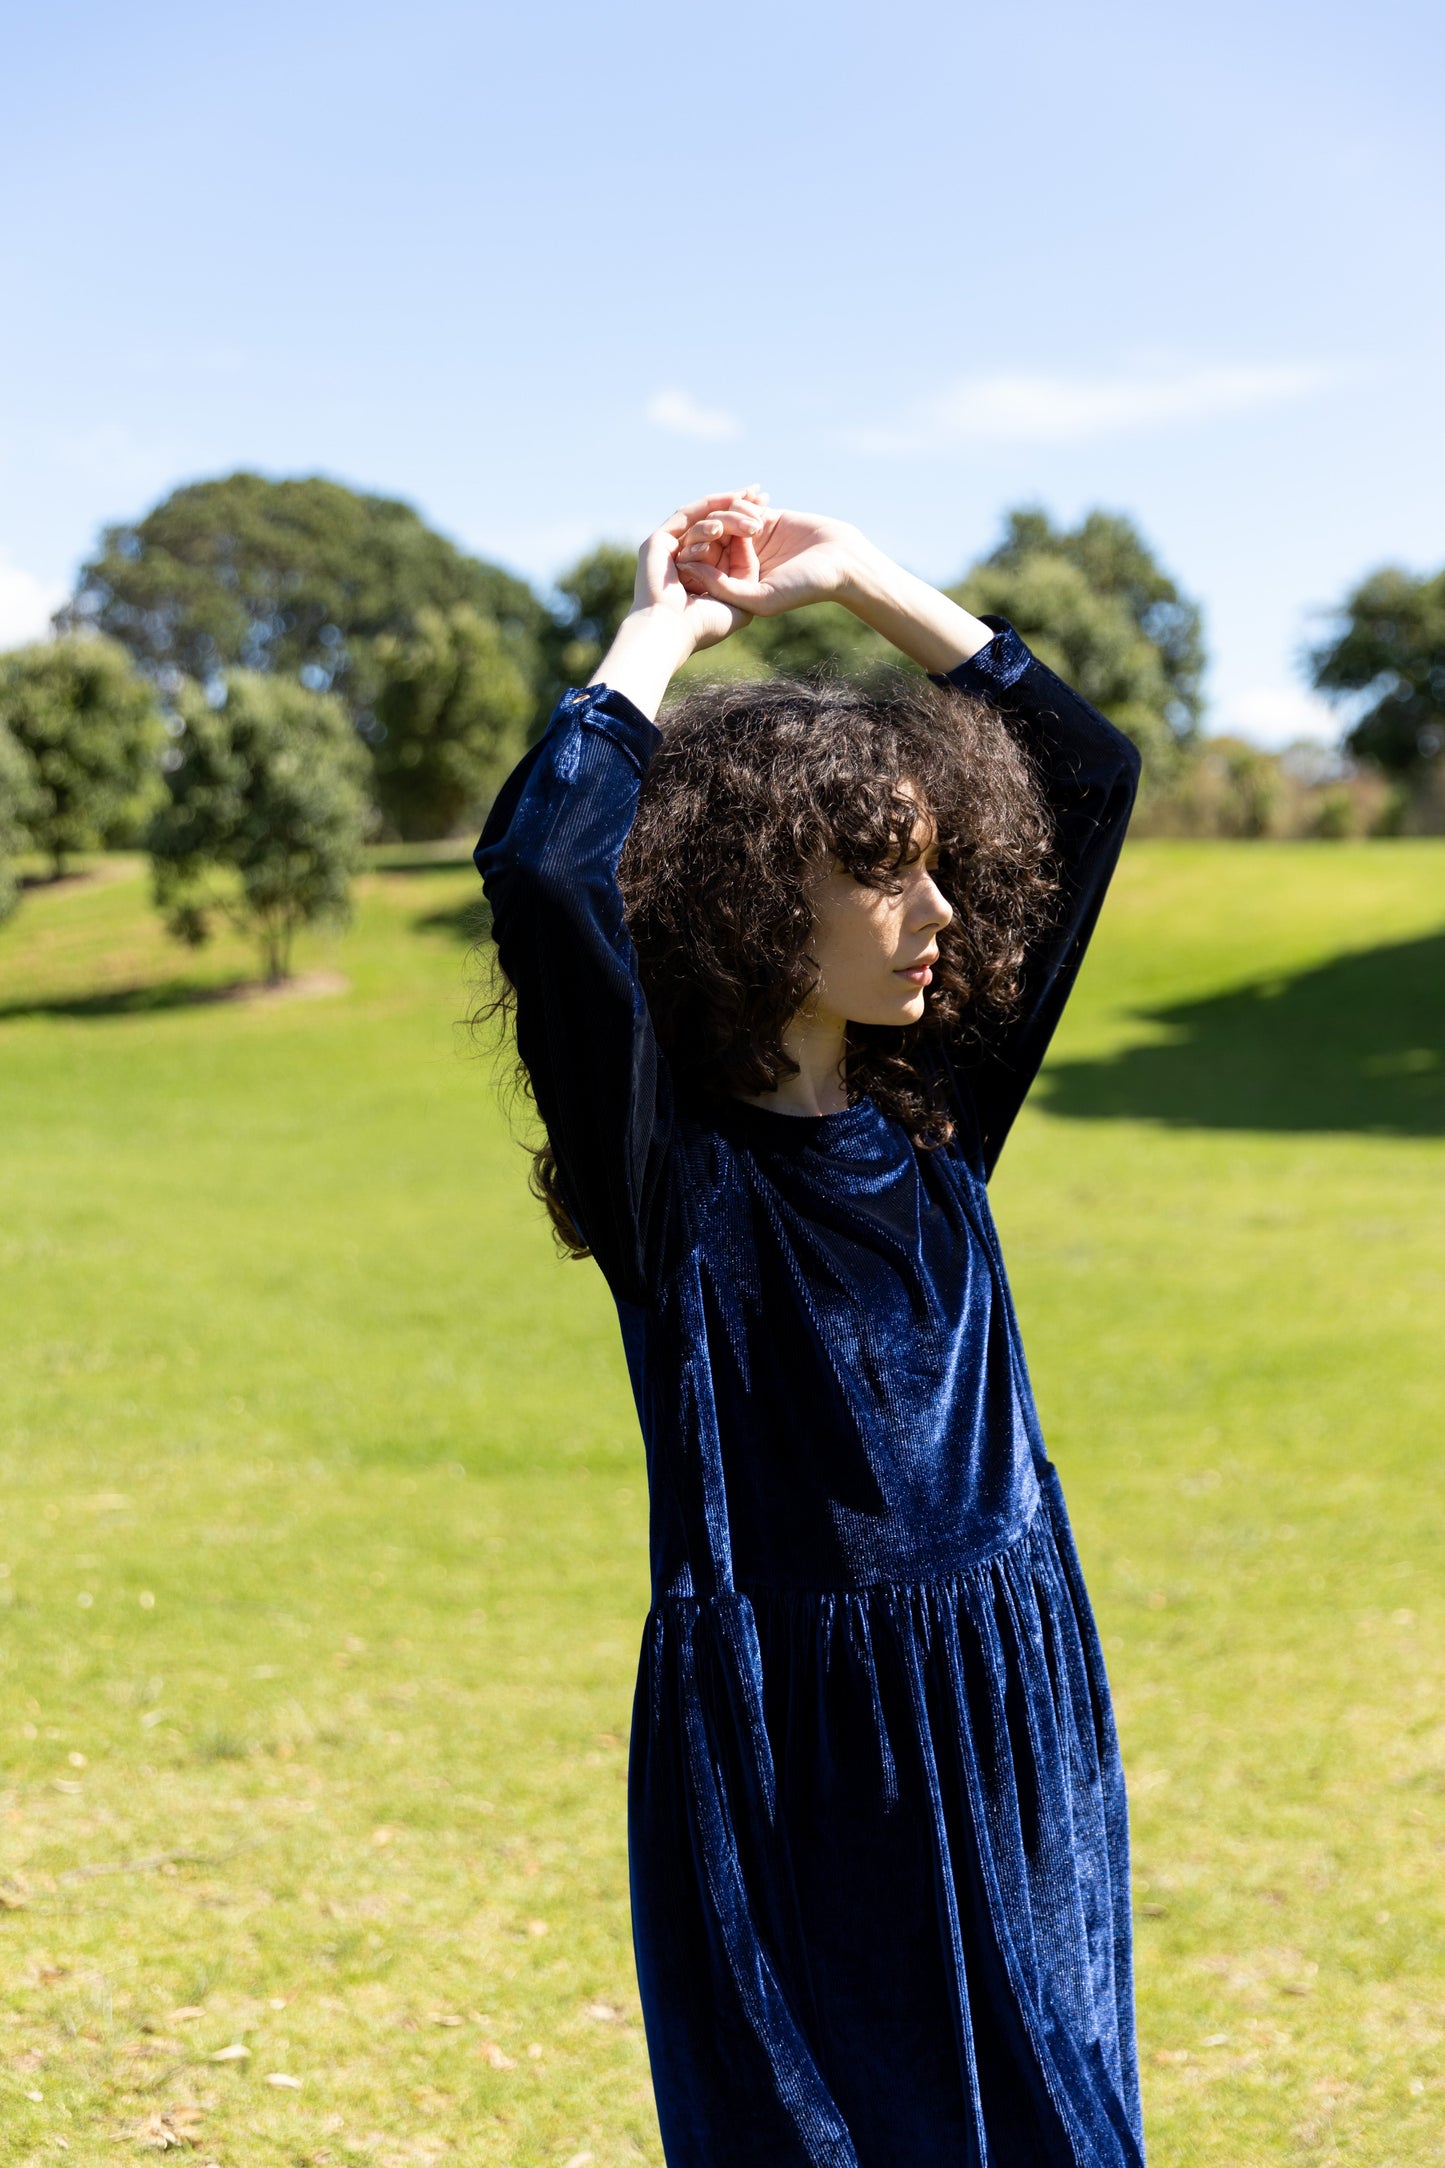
{"points": [[1089, 639], [596, 594], [1095, 606], [298, 576], [448, 720], [1390, 648], [17, 802], [90, 726], [265, 813], [1117, 562]]}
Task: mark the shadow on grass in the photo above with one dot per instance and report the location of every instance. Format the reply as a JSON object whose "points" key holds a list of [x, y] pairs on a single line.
{"points": [[125, 1000], [468, 922], [395, 858], [1354, 1044]]}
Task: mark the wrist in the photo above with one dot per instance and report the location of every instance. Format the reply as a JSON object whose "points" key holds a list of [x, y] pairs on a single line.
{"points": [[650, 629], [870, 578]]}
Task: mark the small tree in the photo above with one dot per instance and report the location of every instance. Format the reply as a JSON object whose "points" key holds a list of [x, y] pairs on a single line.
{"points": [[17, 803], [91, 728], [265, 814], [448, 720], [1390, 649]]}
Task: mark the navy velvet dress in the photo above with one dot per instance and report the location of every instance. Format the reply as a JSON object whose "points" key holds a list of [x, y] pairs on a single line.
{"points": [[877, 1818]]}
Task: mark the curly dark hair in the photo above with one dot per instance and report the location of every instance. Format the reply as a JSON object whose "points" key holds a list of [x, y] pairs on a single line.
{"points": [[753, 788]]}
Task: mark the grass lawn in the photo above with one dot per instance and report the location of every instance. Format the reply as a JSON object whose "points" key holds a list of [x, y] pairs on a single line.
{"points": [[322, 1561]]}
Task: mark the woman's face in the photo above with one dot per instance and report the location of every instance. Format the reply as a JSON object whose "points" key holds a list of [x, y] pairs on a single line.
{"points": [[874, 950]]}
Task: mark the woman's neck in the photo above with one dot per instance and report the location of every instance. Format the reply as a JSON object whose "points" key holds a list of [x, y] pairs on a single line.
{"points": [[818, 1044]]}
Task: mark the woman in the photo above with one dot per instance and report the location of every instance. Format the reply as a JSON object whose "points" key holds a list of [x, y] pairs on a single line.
{"points": [[877, 1818]]}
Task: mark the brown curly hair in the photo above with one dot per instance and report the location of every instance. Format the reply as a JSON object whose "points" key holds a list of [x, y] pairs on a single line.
{"points": [[754, 787]]}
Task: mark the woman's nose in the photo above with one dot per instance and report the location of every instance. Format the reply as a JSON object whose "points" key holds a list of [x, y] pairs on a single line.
{"points": [[933, 910]]}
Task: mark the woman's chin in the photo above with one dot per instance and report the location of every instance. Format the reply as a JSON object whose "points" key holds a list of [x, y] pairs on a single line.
{"points": [[895, 1014]]}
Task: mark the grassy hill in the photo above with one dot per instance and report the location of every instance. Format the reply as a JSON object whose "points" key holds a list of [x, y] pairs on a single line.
{"points": [[322, 1561]]}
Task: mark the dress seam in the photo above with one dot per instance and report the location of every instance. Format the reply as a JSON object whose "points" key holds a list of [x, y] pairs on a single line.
{"points": [[1041, 1520]]}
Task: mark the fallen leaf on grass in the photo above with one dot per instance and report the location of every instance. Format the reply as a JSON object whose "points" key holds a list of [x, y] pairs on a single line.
{"points": [[235, 2053], [606, 2013], [11, 1898], [279, 2078], [186, 2012], [496, 2056], [170, 2127], [579, 2160], [439, 2017]]}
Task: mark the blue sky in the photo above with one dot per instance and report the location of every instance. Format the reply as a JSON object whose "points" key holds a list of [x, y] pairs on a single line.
{"points": [[543, 270]]}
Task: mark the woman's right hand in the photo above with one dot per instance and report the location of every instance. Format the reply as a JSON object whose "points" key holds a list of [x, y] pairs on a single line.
{"points": [[668, 621], [727, 525]]}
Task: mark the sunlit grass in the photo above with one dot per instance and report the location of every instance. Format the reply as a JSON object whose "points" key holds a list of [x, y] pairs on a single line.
{"points": [[324, 1535]]}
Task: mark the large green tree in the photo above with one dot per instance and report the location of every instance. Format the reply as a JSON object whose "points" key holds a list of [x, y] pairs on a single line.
{"points": [[17, 803], [1086, 601], [448, 720], [1389, 651], [1118, 563], [90, 726], [265, 814], [300, 576]]}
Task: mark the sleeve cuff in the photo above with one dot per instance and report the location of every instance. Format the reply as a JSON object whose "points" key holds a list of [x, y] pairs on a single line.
{"points": [[994, 668], [614, 715]]}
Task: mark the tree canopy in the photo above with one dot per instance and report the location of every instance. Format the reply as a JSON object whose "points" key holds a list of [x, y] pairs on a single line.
{"points": [[17, 801], [90, 728], [1118, 563], [265, 812], [1084, 601], [449, 719], [299, 576], [1390, 648]]}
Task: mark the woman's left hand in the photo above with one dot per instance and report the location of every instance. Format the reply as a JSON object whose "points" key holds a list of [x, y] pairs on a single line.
{"points": [[794, 558]]}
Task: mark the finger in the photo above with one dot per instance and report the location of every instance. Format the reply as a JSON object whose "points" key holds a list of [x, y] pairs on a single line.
{"points": [[742, 594], [742, 560], [719, 501], [734, 519], [710, 537], [655, 560]]}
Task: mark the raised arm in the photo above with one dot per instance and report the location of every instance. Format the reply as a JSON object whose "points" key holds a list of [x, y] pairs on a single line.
{"points": [[548, 857], [1088, 768], [1090, 772]]}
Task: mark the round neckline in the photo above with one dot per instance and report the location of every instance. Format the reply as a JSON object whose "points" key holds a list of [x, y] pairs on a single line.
{"points": [[807, 1128]]}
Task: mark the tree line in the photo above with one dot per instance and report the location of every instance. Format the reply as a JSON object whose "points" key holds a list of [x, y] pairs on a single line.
{"points": [[259, 675]]}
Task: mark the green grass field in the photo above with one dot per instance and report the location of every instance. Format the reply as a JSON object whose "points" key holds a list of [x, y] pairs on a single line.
{"points": [[322, 1567]]}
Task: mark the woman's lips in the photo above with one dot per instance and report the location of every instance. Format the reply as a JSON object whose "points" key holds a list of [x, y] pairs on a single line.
{"points": [[920, 974]]}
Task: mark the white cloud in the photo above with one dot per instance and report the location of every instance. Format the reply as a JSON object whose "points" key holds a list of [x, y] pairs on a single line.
{"points": [[1275, 715], [679, 412], [26, 604], [1047, 409]]}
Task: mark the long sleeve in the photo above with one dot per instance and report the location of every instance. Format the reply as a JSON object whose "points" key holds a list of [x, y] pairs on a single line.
{"points": [[548, 858], [1090, 772]]}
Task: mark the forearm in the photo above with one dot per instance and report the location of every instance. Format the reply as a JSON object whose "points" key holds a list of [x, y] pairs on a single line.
{"points": [[922, 623], [650, 647]]}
